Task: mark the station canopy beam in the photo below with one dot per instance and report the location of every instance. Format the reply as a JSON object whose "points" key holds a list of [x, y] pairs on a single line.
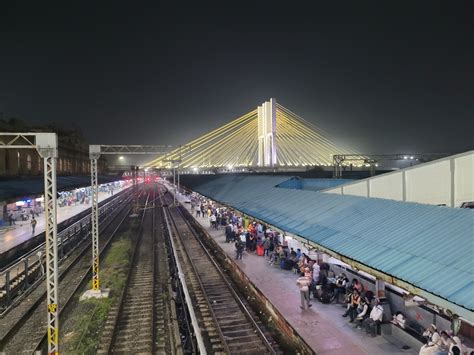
{"points": [[95, 151], [46, 144], [132, 149]]}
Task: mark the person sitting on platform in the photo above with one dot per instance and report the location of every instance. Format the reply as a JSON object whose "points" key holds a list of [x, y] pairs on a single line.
{"points": [[298, 254], [352, 305], [376, 315], [292, 254], [433, 341], [322, 288], [356, 285], [445, 344], [458, 348], [340, 286], [399, 319], [363, 311], [275, 256]]}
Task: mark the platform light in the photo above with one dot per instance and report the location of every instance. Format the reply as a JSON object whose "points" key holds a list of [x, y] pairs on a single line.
{"points": [[405, 157], [121, 157], [195, 169], [411, 158]]}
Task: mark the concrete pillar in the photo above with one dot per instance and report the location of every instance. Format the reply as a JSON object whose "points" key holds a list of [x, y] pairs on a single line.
{"points": [[452, 165], [379, 288], [320, 257]]}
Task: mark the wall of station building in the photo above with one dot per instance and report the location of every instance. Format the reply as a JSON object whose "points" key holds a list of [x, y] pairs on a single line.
{"points": [[27, 162], [448, 181]]}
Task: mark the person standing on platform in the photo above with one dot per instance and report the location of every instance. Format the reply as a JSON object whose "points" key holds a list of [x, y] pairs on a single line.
{"points": [[11, 218], [33, 225], [303, 283], [239, 248], [228, 232]]}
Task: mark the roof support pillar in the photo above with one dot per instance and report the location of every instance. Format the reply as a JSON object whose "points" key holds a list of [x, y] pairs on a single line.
{"points": [[379, 288]]}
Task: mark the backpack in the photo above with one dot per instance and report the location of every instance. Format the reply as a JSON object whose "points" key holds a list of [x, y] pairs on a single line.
{"points": [[325, 297]]}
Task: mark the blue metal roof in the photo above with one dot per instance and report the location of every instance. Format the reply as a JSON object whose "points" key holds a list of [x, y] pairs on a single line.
{"points": [[312, 184], [429, 247]]}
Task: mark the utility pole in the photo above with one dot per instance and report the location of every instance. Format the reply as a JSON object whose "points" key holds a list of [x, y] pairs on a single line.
{"points": [[46, 145], [178, 160], [95, 151]]}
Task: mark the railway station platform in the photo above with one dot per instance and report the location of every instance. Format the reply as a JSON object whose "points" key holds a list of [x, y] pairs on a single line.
{"points": [[11, 236], [321, 326]]}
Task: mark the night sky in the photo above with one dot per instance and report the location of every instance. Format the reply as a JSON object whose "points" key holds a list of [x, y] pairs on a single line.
{"points": [[379, 78]]}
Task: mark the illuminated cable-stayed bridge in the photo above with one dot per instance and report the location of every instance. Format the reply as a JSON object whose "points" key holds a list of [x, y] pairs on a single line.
{"points": [[270, 136]]}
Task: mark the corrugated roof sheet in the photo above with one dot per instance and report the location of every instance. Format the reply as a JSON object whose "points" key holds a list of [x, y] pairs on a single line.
{"points": [[312, 183], [427, 246]]}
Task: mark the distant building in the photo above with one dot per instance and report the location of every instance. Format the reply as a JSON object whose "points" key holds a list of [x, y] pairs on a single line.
{"points": [[73, 155]]}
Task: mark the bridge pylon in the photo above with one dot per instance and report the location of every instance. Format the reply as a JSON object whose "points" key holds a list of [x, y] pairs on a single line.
{"points": [[267, 127]]}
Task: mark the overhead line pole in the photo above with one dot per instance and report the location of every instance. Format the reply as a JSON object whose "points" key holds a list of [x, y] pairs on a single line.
{"points": [[95, 151], [46, 145], [173, 161]]}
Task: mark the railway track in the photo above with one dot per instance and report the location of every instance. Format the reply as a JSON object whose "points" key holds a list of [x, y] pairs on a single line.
{"points": [[20, 278], [224, 322], [28, 332], [139, 323]]}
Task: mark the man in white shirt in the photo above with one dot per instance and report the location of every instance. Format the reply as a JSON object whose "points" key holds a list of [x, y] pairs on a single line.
{"points": [[303, 284], [374, 318], [316, 270]]}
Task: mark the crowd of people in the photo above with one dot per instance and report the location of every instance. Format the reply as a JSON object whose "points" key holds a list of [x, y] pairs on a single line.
{"points": [[65, 199], [315, 279], [443, 343], [84, 194]]}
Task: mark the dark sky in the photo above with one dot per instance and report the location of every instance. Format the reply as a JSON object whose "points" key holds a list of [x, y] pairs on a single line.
{"points": [[380, 78]]}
